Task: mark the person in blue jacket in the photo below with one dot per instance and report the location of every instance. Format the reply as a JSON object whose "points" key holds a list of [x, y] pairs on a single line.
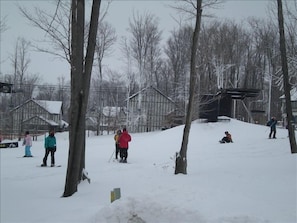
{"points": [[272, 123], [50, 146]]}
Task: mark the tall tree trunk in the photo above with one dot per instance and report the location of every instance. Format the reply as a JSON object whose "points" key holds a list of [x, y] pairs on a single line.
{"points": [[80, 83], [181, 158], [287, 86]]}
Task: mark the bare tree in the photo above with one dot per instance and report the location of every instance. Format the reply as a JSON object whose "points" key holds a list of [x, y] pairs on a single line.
{"points": [[144, 45], [291, 39], [23, 81], [81, 69], [106, 37], [178, 50], [144, 48], [287, 86], [63, 94], [46, 92], [56, 27], [3, 26], [264, 64], [181, 158], [291, 27], [130, 73], [20, 60]]}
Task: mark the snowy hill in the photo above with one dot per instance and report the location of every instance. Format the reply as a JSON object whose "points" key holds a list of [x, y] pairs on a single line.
{"points": [[252, 180]]}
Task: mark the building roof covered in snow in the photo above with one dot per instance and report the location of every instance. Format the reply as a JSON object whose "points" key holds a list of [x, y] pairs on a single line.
{"points": [[293, 93], [53, 107], [111, 111]]}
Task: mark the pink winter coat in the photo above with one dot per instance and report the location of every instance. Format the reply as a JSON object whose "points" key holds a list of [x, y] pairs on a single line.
{"points": [[27, 141]]}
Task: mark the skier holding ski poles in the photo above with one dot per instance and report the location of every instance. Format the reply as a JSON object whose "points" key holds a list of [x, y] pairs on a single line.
{"points": [[124, 140], [116, 139]]}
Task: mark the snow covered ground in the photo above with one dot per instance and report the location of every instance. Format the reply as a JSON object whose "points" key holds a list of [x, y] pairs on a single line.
{"points": [[252, 180]]}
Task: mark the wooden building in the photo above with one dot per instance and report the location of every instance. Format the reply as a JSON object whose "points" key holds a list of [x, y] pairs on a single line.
{"points": [[37, 117], [109, 119], [293, 93], [148, 109], [220, 104]]}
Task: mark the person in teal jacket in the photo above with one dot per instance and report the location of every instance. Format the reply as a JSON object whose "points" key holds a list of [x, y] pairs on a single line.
{"points": [[50, 146]]}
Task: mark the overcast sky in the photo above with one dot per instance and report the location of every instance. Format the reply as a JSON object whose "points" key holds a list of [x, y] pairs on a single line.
{"points": [[50, 68]]}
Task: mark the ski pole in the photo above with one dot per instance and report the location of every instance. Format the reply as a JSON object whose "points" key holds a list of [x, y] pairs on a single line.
{"points": [[111, 156]]}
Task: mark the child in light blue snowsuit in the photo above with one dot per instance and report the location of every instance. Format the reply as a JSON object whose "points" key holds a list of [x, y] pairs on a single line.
{"points": [[28, 144]]}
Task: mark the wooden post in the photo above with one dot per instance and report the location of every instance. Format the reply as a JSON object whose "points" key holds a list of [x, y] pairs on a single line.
{"points": [[112, 196], [115, 194]]}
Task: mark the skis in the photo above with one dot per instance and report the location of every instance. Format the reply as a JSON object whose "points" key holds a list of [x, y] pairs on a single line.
{"points": [[49, 166], [119, 161], [25, 156], [222, 142], [123, 161]]}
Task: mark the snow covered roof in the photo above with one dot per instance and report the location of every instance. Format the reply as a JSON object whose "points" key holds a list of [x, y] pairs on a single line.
{"points": [[53, 107], [50, 122], [111, 111], [154, 88], [64, 123], [293, 93], [91, 120]]}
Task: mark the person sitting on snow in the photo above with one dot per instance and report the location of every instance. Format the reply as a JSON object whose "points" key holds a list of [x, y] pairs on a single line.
{"points": [[227, 138]]}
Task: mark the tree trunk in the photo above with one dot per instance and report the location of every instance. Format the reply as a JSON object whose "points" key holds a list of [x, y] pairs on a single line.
{"points": [[181, 157], [287, 86], [80, 84]]}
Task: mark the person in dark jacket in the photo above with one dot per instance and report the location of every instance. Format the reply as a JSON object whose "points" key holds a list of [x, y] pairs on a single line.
{"points": [[124, 140], [50, 146], [227, 138], [272, 123]]}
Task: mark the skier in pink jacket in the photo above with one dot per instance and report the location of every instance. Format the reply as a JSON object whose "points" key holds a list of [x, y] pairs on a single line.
{"points": [[124, 140]]}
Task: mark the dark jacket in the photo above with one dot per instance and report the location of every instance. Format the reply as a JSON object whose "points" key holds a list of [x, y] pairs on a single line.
{"points": [[272, 123]]}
